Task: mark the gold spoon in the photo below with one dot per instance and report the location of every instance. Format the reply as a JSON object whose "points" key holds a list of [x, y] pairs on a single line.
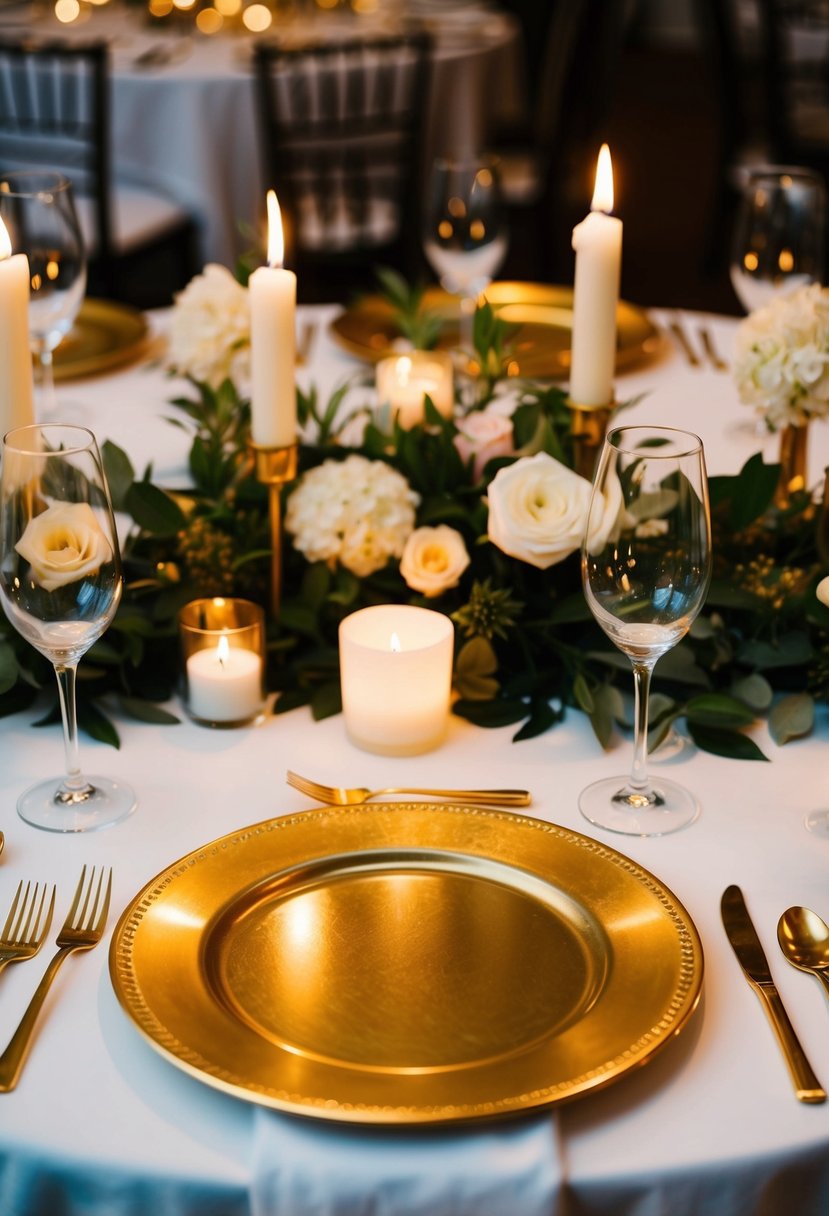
{"points": [[804, 940]]}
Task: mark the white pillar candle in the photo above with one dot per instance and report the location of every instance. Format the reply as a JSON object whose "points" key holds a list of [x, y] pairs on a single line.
{"points": [[272, 292], [396, 678], [404, 380], [224, 683], [597, 241], [16, 393]]}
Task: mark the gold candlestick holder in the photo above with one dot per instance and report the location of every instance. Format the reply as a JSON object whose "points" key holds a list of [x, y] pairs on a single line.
{"points": [[274, 466], [588, 429]]}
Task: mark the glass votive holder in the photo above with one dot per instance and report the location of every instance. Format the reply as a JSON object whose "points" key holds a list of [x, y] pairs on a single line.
{"points": [[223, 661], [396, 678]]}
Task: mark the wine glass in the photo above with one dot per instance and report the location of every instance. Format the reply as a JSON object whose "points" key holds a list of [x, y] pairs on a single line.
{"points": [[60, 585], [38, 209], [778, 242], [646, 565], [464, 236]]}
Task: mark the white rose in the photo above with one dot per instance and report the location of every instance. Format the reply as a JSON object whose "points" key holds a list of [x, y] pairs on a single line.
{"points": [[822, 591], [538, 511], [434, 559], [210, 330], [484, 436], [63, 544]]}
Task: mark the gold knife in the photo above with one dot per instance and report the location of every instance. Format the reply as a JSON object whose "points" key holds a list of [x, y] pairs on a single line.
{"points": [[746, 945]]}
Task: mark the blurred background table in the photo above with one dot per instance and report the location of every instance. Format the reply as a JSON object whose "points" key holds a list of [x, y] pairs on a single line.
{"points": [[183, 116]]}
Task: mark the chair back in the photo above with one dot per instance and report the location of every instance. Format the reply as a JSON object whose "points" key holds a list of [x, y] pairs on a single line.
{"points": [[341, 126], [54, 114]]}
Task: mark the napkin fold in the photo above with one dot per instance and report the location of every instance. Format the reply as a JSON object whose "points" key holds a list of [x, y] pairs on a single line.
{"points": [[313, 1168]]}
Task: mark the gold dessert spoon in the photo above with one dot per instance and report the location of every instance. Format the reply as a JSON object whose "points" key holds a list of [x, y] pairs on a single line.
{"points": [[804, 940]]}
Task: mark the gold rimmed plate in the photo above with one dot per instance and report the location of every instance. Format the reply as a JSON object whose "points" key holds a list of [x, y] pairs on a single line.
{"points": [[542, 316], [105, 335], [406, 963]]}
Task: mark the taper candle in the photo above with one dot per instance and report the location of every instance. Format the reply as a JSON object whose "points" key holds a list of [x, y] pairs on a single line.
{"points": [[16, 392], [597, 241], [273, 342]]}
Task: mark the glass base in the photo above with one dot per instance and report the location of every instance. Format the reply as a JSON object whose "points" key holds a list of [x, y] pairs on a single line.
{"points": [[104, 802], [817, 822], [615, 805]]}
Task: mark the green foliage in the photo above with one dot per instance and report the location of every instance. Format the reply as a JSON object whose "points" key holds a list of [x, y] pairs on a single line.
{"points": [[528, 651]]}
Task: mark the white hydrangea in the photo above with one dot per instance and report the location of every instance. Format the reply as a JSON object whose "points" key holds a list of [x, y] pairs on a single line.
{"points": [[356, 511], [210, 330], [781, 358]]}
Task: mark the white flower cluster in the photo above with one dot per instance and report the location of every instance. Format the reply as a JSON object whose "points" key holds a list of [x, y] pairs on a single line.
{"points": [[210, 331], [781, 358], [356, 511]]}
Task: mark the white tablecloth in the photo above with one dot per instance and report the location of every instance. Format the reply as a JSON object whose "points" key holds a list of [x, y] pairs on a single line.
{"points": [[100, 1125], [186, 125]]}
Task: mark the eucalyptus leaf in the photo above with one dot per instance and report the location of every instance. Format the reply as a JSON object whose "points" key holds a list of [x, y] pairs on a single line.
{"points": [[326, 701], [542, 717], [119, 473], [718, 709], [792, 717], [728, 743], [146, 711], [154, 510], [755, 691], [500, 712]]}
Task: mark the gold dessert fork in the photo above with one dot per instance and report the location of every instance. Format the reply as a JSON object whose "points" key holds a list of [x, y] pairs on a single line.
{"points": [[26, 924], [83, 928], [343, 796]]}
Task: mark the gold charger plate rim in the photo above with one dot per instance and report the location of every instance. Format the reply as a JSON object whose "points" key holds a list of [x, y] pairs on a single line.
{"points": [[124, 333], [364, 329], [137, 985]]}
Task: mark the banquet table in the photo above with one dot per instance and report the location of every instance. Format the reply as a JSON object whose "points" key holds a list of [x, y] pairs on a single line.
{"points": [[101, 1125], [183, 119]]}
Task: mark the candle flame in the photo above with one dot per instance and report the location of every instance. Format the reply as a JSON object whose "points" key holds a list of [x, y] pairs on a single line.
{"points": [[394, 644], [403, 368], [223, 650], [603, 192], [5, 243], [276, 241]]}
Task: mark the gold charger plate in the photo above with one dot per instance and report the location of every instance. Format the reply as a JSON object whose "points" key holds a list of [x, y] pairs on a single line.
{"points": [[401, 963], [543, 315], [105, 335]]}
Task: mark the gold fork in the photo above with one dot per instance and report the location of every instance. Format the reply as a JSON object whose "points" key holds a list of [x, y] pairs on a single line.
{"points": [[340, 796], [26, 926], [82, 929]]}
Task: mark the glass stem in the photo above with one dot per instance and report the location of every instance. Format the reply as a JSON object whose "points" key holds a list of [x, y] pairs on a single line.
{"points": [[642, 684], [47, 383], [74, 787]]}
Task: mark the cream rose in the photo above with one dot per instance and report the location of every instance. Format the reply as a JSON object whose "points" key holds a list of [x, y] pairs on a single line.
{"points": [[63, 544], [483, 436], [538, 511], [434, 559], [822, 591]]}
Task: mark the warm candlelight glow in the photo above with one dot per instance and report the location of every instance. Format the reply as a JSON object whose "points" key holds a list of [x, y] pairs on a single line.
{"points": [[223, 650], [404, 369], [5, 243], [276, 241], [394, 644], [603, 192]]}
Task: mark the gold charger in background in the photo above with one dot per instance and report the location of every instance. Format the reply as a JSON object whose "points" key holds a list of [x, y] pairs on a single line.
{"points": [[105, 335], [406, 963], [542, 314]]}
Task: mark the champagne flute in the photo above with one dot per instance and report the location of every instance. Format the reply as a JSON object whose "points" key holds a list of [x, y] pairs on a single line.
{"points": [[646, 565], [778, 242], [464, 237], [60, 585], [38, 210]]}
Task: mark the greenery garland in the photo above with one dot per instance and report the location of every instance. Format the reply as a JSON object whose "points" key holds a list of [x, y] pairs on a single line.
{"points": [[527, 648]]}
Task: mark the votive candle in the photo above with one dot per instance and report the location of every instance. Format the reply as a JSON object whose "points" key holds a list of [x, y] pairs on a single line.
{"points": [[396, 678], [223, 651], [404, 380]]}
